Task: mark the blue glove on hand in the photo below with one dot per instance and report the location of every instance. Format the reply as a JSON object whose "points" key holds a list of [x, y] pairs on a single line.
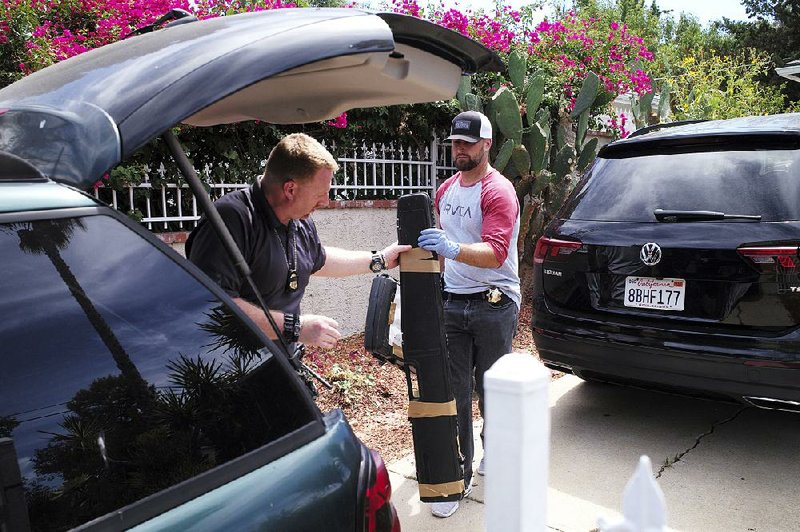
{"points": [[434, 240]]}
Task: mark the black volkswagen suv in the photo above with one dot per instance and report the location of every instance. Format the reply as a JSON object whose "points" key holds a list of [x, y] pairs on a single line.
{"points": [[674, 264]]}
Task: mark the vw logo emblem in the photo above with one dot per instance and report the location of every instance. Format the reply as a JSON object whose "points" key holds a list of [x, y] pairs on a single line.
{"points": [[650, 254]]}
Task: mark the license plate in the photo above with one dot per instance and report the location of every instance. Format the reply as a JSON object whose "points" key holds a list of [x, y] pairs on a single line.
{"points": [[651, 292]]}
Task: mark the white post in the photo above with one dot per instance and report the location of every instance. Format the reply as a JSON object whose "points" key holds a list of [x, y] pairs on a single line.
{"points": [[643, 505], [517, 444]]}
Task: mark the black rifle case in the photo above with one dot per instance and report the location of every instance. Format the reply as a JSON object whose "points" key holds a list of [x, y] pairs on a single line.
{"points": [[431, 404]]}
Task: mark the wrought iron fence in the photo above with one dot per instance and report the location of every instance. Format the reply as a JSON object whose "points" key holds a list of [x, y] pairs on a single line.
{"points": [[367, 172]]}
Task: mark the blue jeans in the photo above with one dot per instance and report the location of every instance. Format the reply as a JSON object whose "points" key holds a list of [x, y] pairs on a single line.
{"points": [[478, 334]]}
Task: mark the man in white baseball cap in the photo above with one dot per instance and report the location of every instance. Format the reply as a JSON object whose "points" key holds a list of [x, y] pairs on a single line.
{"points": [[478, 213]]}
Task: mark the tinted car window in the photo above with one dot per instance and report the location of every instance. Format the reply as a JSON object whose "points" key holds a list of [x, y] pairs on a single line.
{"points": [[107, 343], [735, 182]]}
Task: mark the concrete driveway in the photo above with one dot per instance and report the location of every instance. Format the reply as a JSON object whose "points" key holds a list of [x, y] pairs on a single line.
{"points": [[722, 467]]}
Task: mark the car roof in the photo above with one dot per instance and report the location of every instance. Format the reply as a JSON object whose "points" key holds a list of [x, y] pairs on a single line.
{"points": [[78, 118], [20, 196], [779, 128], [25, 189]]}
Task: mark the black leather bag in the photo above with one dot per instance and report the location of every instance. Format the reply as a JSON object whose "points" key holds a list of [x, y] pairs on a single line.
{"points": [[380, 315]]}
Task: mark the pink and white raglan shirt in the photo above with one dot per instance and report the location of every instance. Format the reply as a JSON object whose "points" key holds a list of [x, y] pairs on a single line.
{"points": [[487, 211]]}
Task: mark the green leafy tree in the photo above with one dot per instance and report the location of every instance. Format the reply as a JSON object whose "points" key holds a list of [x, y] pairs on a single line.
{"points": [[774, 28], [722, 70], [687, 37], [642, 18], [719, 87]]}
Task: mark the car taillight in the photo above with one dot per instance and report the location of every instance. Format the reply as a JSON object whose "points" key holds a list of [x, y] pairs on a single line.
{"points": [[552, 248], [381, 515], [764, 257]]}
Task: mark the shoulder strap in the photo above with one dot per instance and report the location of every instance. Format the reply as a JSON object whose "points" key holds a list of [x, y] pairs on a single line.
{"points": [[249, 253], [188, 245]]}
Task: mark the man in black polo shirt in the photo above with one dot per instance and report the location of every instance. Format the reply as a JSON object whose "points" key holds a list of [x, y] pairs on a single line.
{"points": [[270, 223]]}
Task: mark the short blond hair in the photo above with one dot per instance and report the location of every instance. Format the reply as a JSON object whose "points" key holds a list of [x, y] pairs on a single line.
{"points": [[297, 157]]}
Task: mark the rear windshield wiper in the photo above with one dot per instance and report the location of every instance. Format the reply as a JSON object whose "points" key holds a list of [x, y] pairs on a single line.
{"points": [[700, 216]]}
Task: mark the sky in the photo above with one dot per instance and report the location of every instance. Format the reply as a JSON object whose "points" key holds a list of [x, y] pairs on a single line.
{"points": [[705, 10]]}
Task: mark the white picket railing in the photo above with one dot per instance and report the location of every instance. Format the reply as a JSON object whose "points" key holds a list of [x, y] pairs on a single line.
{"points": [[377, 171], [367, 172], [389, 171]]}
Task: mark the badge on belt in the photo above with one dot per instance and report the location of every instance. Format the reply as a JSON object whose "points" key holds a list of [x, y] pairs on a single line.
{"points": [[494, 295]]}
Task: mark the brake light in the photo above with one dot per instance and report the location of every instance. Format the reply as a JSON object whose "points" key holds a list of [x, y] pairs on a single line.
{"points": [[764, 256], [552, 248], [381, 515]]}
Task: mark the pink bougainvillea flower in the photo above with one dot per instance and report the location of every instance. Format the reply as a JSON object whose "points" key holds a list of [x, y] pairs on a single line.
{"points": [[339, 122], [570, 45]]}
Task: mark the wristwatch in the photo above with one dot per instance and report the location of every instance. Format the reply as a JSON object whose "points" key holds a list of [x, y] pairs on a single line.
{"points": [[291, 327], [378, 262]]}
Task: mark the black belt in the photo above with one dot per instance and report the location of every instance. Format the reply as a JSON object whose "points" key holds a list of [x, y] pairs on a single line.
{"points": [[476, 296]]}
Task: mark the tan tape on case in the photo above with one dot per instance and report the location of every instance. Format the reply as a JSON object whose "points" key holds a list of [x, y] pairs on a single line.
{"points": [[397, 351], [417, 260], [423, 409], [392, 309], [441, 490]]}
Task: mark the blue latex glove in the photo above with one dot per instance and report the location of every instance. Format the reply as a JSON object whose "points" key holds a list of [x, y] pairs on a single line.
{"points": [[434, 240]]}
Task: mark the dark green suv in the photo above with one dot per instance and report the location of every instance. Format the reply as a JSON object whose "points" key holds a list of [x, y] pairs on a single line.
{"points": [[133, 391]]}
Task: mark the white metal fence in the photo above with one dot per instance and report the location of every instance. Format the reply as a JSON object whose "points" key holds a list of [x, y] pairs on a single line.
{"points": [[377, 171], [389, 171]]}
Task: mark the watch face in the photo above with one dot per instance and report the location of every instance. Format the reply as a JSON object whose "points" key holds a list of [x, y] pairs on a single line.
{"points": [[377, 263]]}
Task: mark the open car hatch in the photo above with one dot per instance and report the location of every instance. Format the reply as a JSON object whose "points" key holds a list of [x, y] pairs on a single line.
{"points": [[280, 66]]}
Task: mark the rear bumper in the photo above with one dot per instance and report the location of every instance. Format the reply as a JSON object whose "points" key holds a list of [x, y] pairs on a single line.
{"points": [[753, 380]]}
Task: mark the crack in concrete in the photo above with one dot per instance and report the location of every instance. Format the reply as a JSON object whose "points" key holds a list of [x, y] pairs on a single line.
{"points": [[679, 456]]}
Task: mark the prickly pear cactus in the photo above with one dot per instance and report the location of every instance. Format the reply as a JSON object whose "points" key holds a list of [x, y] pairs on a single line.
{"points": [[507, 116], [539, 151], [641, 107]]}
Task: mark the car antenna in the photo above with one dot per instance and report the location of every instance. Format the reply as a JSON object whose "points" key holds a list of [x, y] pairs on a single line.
{"points": [[189, 173]]}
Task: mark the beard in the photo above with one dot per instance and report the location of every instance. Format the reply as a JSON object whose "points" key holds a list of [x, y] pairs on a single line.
{"points": [[467, 163]]}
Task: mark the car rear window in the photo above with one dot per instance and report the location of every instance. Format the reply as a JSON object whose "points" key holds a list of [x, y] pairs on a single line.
{"points": [[108, 343], [757, 182]]}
